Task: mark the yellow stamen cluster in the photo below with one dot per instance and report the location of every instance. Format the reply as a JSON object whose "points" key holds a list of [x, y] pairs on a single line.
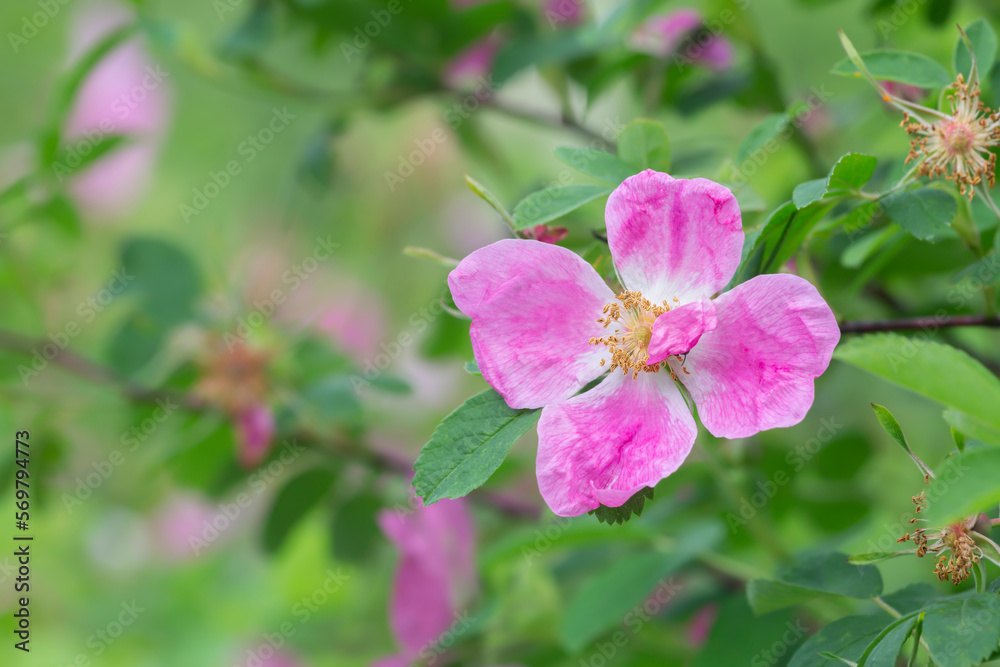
{"points": [[963, 555], [957, 146], [629, 343]]}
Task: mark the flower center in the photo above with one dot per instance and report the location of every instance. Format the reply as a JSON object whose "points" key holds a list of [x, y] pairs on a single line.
{"points": [[957, 137], [632, 315], [958, 147]]}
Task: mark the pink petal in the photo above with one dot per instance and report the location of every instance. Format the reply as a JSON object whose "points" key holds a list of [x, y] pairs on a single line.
{"points": [[565, 12], [420, 610], [255, 431], [674, 237], [125, 94], [534, 308], [604, 446], [436, 569], [661, 34], [474, 62], [677, 331], [755, 371], [717, 53]]}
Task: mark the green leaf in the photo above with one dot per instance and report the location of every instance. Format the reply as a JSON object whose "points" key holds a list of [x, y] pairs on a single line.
{"points": [[846, 639], [959, 439], [888, 65], [293, 502], [885, 647], [607, 599], [811, 575], [554, 202], [971, 428], [61, 210], [778, 238], [912, 598], [893, 428], [984, 43], [858, 252], [738, 637], [468, 446], [333, 400], [490, 199], [65, 157], [809, 192], [164, 274], [925, 212], [850, 173], [874, 557], [644, 144], [472, 368], [968, 485], [253, 34], [968, 386], [765, 131], [983, 272], [962, 631], [563, 46], [619, 515], [69, 85], [355, 531], [597, 164]]}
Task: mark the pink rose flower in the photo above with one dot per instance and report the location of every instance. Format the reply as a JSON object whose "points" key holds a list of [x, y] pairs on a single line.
{"points": [[904, 91], [181, 522], [564, 13], [254, 434], [125, 94], [663, 34], [355, 321], [468, 67], [544, 324], [700, 625], [435, 575], [546, 233]]}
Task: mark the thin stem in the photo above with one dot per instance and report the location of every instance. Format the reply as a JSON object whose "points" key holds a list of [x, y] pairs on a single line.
{"points": [[380, 460], [895, 614], [90, 371], [547, 121], [919, 323], [732, 567], [885, 605]]}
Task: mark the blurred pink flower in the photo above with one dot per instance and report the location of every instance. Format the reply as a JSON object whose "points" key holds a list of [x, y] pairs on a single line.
{"points": [[546, 233], [126, 94], [182, 518], [434, 577], [472, 64], [355, 321], [663, 34], [904, 91], [701, 624], [565, 13], [280, 659], [255, 434]]}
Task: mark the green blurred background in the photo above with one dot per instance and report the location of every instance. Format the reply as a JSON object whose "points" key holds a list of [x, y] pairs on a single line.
{"points": [[323, 176]]}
